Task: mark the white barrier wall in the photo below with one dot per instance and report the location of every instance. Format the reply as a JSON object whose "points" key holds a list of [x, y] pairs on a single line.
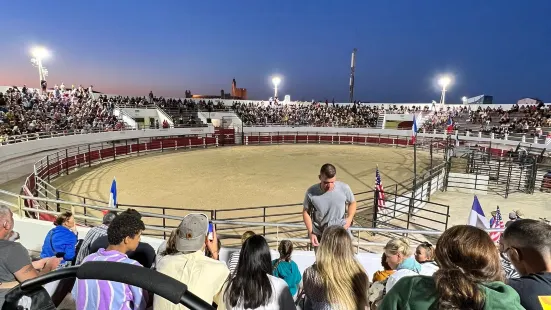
{"points": [[11, 151]]}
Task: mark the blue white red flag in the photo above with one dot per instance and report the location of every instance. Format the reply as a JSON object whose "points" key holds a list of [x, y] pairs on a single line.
{"points": [[477, 217], [414, 130], [113, 194]]}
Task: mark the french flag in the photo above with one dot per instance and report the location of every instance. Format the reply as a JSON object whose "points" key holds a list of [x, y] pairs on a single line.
{"points": [[414, 130], [113, 194], [477, 217]]}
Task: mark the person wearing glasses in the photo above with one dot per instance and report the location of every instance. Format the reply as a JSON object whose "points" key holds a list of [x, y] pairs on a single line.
{"points": [[527, 245], [184, 259]]}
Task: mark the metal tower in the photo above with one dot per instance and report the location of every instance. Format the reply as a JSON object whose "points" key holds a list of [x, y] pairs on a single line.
{"points": [[352, 69]]}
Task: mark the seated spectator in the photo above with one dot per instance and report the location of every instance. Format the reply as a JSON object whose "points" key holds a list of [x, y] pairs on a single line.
{"points": [[424, 255], [143, 254], [61, 241], [398, 256], [92, 235], [185, 261], [337, 280], [285, 268], [15, 263], [508, 268], [527, 244], [234, 257], [470, 277], [161, 250], [252, 286], [123, 235], [385, 273]]}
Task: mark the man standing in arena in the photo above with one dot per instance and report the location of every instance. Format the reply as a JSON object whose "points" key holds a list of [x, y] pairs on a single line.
{"points": [[325, 204]]}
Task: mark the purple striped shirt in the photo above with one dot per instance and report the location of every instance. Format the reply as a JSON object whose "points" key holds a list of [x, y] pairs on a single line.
{"points": [[101, 294]]}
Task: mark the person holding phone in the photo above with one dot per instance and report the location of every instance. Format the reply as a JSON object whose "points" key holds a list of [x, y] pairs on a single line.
{"points": [[184, 259], [61, 241]]}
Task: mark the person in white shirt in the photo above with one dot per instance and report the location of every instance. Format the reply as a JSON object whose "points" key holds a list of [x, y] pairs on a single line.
{"points": [[252, 286]]}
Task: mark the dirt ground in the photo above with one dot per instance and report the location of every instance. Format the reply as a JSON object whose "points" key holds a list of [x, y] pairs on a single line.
{"points": [[227, 178]]}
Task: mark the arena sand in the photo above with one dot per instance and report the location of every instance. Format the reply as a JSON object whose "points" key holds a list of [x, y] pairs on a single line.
{"points": [[236, 177]]}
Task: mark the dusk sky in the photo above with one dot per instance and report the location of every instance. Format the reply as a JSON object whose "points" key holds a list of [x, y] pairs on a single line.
{"points": [[493, 47]]}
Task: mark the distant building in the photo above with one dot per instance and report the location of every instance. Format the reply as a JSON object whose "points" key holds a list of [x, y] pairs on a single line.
{"points": [[236, 93], [529, 101]]}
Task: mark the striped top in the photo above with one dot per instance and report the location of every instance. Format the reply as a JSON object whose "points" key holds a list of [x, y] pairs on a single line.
{"points": [[92, 235], [233, 261], [101, 294]]}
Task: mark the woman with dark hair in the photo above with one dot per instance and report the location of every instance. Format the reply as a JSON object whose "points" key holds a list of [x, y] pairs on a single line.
{"points": [[384, 274], [61, 241], [252, 286], [470, 277], [284, 268]]}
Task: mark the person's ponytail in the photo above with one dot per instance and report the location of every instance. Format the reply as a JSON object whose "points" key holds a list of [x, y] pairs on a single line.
{"points": [[456, 290]]}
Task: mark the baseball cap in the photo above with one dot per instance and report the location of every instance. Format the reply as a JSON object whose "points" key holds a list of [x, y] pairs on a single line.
{"points": [[512, 215], [192, 232]]}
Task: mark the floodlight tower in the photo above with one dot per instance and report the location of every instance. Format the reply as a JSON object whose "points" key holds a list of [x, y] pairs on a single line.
{"points": [[352, 70], [40, 53]]}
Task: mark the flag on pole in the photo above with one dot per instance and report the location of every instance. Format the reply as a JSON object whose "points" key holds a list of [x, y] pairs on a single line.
{"points": [[477, 217], [449, 125], [414, 130], [113, 194], [380, 190], [497, 223]]}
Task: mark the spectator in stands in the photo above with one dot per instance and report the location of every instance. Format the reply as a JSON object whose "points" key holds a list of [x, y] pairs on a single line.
{"points": [[424, 255], [385, 273], [527, 244], [234, 257], [61, 241], [337, 280], [123, 234], [143, 254], [285, 268], [15, 263], [512, 218], [92, 235], [508, 267], [186, 262], [326, 203], [398, 256], [252, 286], [470, 277]]}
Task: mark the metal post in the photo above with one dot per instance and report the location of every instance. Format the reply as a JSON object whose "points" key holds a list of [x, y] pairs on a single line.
{"points": [[89, 157], [164, 224], [395, 200], [58, 164], [264, 220], [66, 161], [162, 145], [114, 152], [48, 167], [375, 208], [126, 148], [78, 156], [58, 207]]}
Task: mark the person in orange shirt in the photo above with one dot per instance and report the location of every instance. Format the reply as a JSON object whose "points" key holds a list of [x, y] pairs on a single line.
{"points": [[382, 275]]}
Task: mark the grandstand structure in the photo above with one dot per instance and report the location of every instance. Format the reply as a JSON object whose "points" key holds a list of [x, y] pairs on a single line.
{"points": [[465, 159]]}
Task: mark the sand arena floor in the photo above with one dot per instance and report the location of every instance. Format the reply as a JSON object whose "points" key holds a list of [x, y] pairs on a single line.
{"points": [[235, 177]]}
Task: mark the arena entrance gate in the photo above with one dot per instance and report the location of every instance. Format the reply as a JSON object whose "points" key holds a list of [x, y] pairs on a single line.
{"points": [[514, 172]]}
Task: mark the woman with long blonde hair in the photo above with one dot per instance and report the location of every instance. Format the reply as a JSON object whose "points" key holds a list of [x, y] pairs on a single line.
{"points": [[337, 280]]}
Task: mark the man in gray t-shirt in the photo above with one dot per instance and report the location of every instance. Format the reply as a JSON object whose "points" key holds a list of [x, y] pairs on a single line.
{"points": [[325, 204]]}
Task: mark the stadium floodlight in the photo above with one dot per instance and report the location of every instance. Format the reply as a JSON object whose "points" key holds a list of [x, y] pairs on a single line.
{"points": [[464, 99], [276, 80], [40, 53], [444, 81]]}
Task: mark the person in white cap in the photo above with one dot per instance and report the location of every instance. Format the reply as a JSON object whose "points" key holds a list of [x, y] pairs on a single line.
{"points": [[184, 260]]}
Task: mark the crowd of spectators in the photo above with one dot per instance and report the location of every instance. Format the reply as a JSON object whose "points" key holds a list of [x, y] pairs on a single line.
{"points": [[28, 110], [315, 114], [464, 270]]}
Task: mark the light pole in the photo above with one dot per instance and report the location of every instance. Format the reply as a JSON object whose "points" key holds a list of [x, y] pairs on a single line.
{"points": [[39, 53], [444, 81], [276, 80]]}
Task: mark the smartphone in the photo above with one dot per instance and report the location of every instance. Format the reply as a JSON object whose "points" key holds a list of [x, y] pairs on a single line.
{"points": [[210, 233], [59, 254]]}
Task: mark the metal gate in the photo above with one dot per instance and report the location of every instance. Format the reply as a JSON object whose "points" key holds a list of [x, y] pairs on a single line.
{"points": [[501, 175]]}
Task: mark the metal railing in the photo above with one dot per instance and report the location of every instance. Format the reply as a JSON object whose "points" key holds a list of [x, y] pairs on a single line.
{"points": [[279, 229]]}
